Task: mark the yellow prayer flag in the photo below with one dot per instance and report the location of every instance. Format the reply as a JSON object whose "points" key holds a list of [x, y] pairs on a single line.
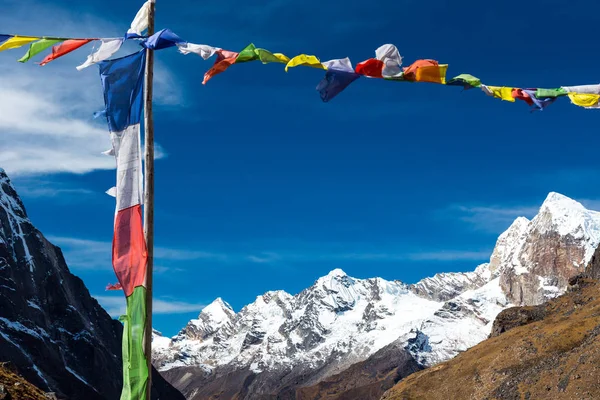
{"points": [[584, 99], [304, 59], [17, 41], [281, 57], [433, 74], [503, 93]]}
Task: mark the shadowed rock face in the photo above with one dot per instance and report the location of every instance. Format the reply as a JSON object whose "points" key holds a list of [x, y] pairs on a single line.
{"points": [[593, 268], [366, 380], [51, 329], [552, 260]]}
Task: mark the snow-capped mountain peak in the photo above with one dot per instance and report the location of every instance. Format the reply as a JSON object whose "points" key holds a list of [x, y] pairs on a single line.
{"points": [[568, 216], [211, 318], [217, 312], [557, 244]]}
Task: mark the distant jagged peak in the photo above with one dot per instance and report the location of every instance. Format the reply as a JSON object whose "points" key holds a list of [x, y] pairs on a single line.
{"points": [[557, 200], [566, 216], [217, 312], [337, 272], [10, 200], [518, 227]]}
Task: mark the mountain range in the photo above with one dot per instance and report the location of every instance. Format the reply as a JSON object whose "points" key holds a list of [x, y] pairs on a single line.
{"points": [[341, 338], [331, 335]]}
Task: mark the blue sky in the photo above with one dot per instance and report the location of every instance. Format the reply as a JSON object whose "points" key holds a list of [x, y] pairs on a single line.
{"points": [[261, 186]]}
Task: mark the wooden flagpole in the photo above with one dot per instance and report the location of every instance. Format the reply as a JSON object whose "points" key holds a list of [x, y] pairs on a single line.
{"points": [[149, 197]]}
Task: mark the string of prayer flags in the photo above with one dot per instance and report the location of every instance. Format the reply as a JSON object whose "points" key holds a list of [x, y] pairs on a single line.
{"points": [[339, 73], [227, 58]]}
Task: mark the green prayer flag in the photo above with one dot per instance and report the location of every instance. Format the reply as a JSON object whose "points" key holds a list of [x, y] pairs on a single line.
{"points": [[466, 80], [38, 47], [248, 54], [135, 369], [265, 56], [550, 92]]}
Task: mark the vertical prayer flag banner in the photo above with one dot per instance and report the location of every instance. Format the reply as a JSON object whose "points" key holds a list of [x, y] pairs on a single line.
{"points": [[123, 81]]}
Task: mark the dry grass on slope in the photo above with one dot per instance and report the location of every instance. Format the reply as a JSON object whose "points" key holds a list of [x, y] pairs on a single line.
{"points": [[556, 357], [14, 387]]}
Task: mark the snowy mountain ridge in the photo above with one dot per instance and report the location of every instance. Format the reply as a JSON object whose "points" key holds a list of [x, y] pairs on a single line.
{"points": [[341, 320]]}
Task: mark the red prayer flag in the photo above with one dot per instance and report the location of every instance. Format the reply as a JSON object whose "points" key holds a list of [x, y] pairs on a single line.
{"points": [[521, 95], [129, 249], [224, 60], [64, 48], [371, 67]]}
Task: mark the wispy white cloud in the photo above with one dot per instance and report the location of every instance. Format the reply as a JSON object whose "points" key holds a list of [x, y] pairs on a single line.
{"points": [[96, 255], [116, 305], [46, 118], [430, 255], [35, 187], [264, 258], [182, 255], [433, 255], [493, 218], [451, 255]]}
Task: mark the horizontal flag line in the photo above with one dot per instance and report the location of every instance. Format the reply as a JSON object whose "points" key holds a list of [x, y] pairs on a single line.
{"points": [[386, 65]]}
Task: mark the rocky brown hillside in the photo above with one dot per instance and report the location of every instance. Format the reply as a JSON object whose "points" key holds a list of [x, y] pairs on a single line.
{"points": [[551, 351], [14, 387]]}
